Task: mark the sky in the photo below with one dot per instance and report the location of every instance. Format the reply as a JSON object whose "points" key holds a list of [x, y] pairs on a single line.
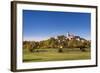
{"points": [[41, 25]]}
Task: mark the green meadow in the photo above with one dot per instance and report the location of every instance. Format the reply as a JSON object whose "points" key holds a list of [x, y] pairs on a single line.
{"points": [[51, 54]]}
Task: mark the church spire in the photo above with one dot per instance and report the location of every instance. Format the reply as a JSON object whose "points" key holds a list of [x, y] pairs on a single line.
{"points": [[68, 34]]}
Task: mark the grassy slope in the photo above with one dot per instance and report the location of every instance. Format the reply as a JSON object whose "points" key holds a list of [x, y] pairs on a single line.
{"points": [[53, 55]]}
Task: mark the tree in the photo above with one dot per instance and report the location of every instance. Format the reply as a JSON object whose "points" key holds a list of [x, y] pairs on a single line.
{"points": [[73, 43], [53, 43], [77, 44], [85, 44], [61, 41]]}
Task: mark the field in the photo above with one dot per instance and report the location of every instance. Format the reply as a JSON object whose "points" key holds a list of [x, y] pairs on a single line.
{"points": [[53, 55]]}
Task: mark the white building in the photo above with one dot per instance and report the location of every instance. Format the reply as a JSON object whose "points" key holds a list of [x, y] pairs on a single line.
{"points": [[72, 36]]}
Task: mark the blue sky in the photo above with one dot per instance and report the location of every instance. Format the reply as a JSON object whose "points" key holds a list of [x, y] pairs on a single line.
{"points": [[40, 25]]}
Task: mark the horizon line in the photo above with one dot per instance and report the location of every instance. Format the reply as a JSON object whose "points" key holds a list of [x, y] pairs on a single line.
{"points": [[46, 38]]}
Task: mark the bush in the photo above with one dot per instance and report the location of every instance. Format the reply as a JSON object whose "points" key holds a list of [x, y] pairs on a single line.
{"points": [[60, 50], [82, 49]]}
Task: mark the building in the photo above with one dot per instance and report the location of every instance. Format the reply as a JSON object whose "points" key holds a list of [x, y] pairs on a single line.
{"points": [[72, 36]]}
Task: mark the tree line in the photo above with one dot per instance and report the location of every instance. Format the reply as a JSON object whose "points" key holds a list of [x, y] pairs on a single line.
{"points": [[58, 43]]}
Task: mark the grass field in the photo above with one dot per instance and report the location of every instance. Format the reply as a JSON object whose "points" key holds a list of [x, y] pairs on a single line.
{"points": [[54, 55]]}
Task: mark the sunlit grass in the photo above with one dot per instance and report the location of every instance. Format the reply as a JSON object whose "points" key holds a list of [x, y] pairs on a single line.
{"points": [[54, 55]]}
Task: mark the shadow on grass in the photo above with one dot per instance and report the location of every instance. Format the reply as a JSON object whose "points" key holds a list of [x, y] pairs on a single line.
{"points": [[29, 60]]}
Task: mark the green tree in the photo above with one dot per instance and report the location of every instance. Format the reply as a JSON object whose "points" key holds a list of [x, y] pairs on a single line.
{"points": [[62, 41], [53, 43], [73, 43]]}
